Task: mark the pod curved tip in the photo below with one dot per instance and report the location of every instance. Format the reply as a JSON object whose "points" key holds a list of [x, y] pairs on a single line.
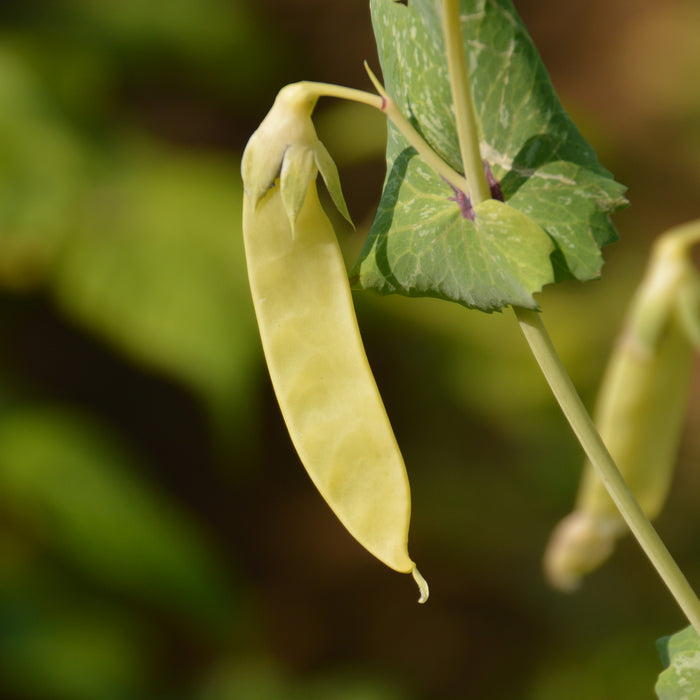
{"points": [[422, 585]]}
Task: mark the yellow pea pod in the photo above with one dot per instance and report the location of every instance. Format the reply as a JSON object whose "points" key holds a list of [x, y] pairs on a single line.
{"points": [[639, 412], [315, 356]]}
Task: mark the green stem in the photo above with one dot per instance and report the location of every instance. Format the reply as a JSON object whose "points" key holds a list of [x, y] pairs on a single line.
{"points": [[575, 412], [385, 104], [467, 128], [541, 345]]}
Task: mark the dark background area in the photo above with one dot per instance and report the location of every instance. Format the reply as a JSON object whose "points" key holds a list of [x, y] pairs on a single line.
{"points": [[158, 536]]}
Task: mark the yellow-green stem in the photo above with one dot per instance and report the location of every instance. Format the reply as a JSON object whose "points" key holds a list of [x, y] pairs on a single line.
{"points": [[582, 425], [385, 104], [467, 128]]}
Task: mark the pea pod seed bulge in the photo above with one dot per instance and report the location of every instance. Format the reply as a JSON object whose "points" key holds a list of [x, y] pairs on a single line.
{"points": [[311, 340]]}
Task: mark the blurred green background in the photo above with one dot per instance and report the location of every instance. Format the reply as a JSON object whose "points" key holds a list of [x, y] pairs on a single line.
{"points": [[158, 537]]}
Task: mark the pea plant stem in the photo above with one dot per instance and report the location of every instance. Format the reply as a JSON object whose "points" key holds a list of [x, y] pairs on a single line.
{"points": [[467, 128], [542, 347], [385, 104], [584, 429]]}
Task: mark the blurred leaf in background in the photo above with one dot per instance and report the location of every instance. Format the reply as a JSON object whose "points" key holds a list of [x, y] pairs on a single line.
{"points": [[75, 492], [58, 642], [119, 209], [153, 267]]}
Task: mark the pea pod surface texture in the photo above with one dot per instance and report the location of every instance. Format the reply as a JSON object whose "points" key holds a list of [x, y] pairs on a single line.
{"points": [[312, 344], [319, 370]]}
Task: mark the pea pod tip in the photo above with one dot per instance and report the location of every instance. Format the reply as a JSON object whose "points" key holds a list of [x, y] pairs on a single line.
{"points": [[422, 585]]}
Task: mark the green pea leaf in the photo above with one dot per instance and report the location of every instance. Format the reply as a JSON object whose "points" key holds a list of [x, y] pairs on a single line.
{"points": [[680, 654], [423, 245], [547, 172]]}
